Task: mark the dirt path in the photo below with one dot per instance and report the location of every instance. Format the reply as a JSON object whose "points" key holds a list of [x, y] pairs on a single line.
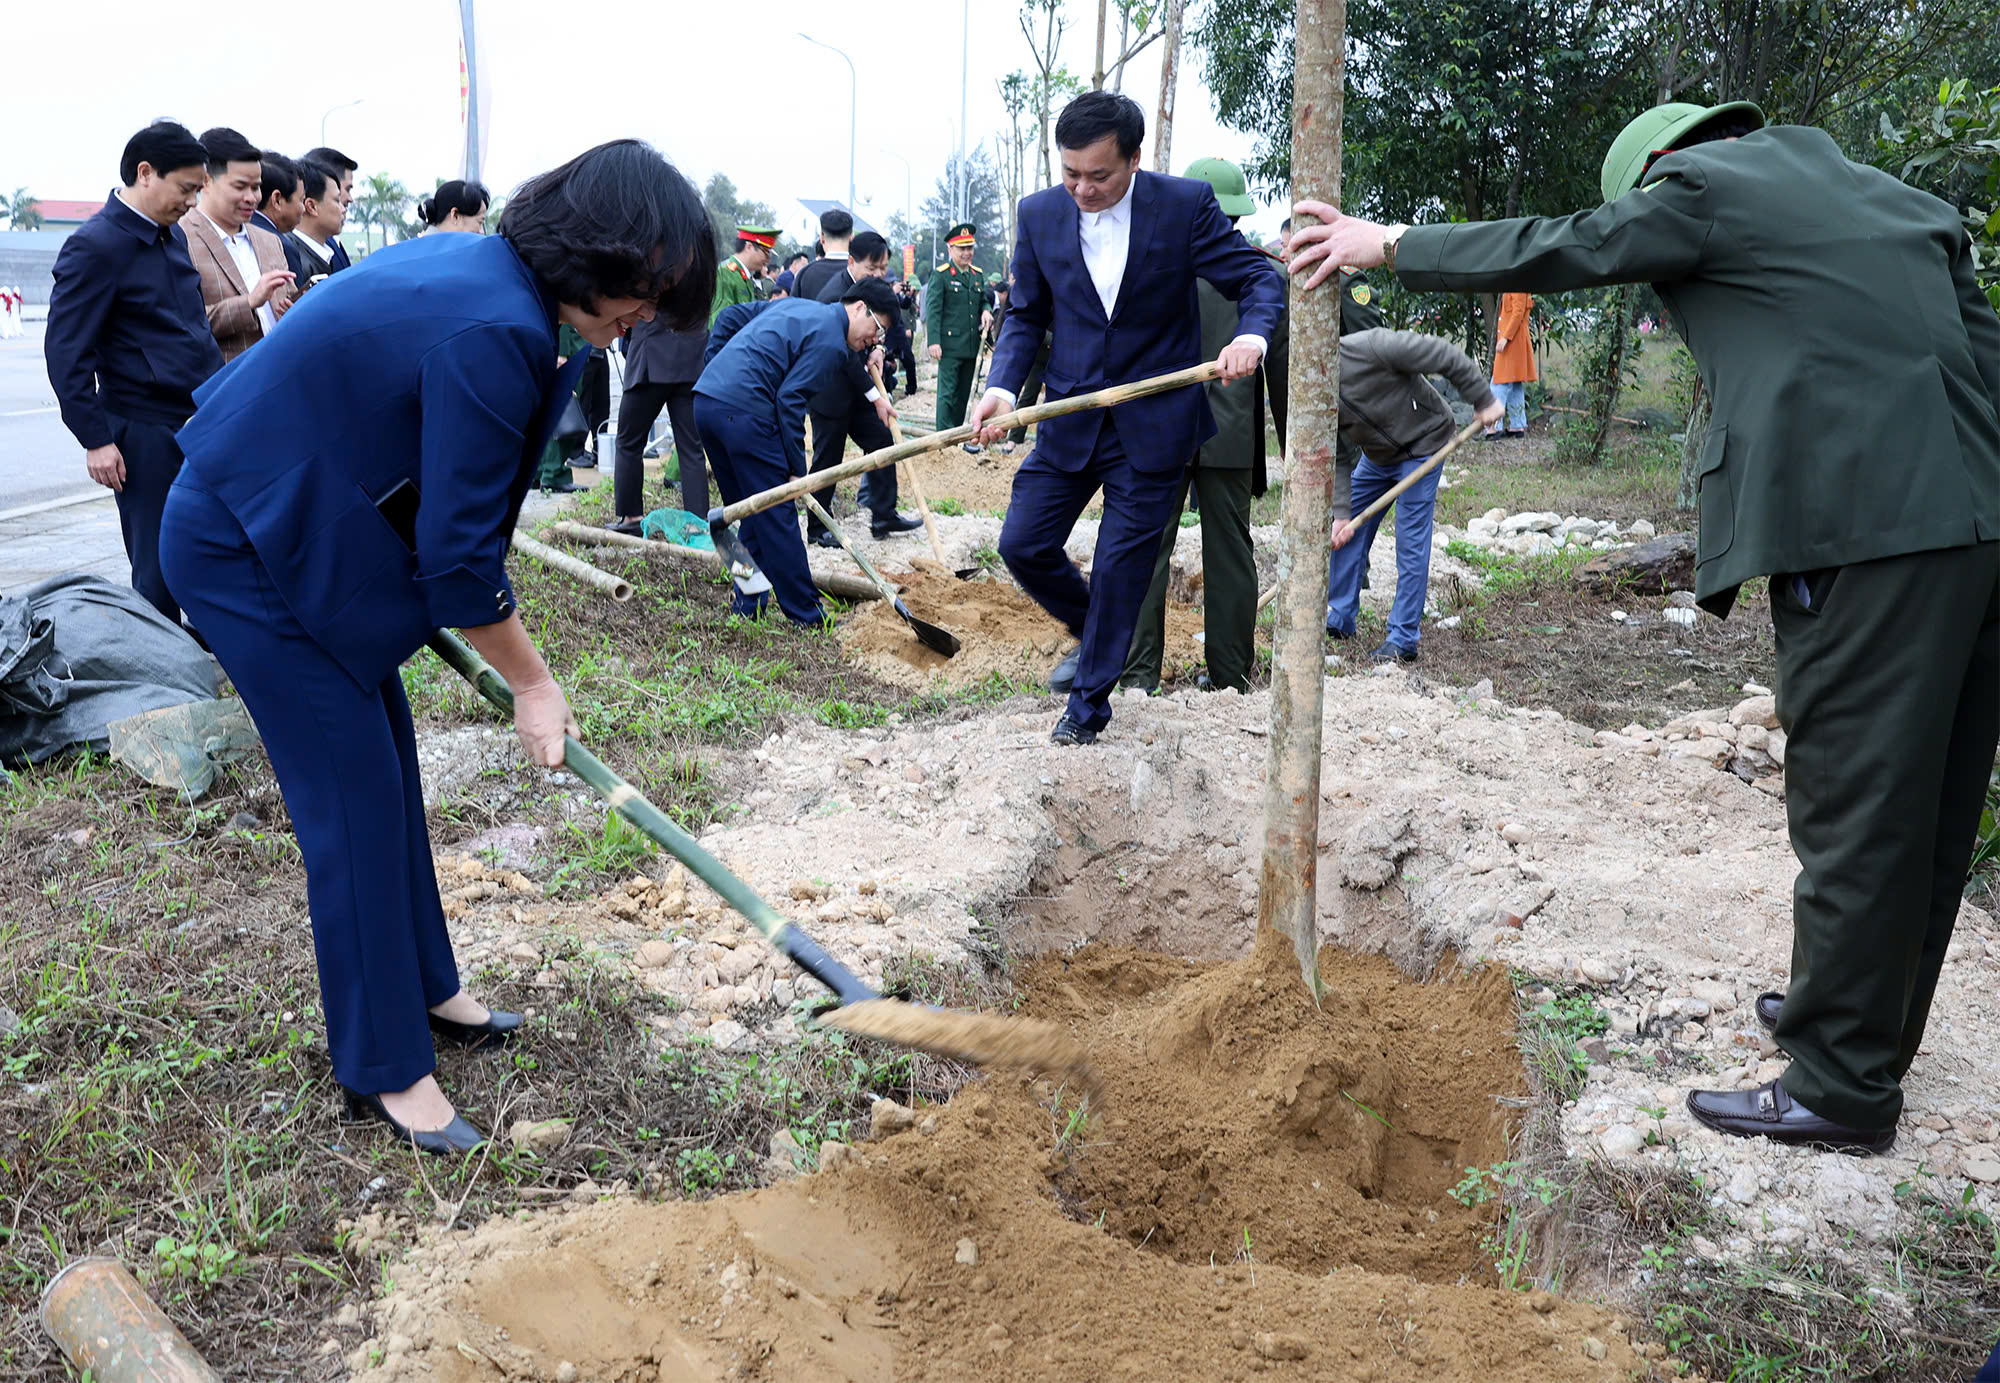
{"points": [[1265, 1193]]}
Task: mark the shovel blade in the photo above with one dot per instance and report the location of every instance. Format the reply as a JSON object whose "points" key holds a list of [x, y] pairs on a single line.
{"points": [[736, 559], [928, 634]]}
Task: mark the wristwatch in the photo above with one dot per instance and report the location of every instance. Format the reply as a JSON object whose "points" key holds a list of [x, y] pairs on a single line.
{"points": [[1389, 239]]}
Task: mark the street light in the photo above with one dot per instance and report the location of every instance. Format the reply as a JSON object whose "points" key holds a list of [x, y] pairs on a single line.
{"points": [[330, 110], [853, 98]]}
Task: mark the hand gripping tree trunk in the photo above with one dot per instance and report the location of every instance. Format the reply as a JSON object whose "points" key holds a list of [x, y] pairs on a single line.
{"points": [[1287, 884]]}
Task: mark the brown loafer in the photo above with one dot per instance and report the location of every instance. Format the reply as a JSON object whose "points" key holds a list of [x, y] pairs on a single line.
{"points": [[1769, 1112], [1768, 1007]]}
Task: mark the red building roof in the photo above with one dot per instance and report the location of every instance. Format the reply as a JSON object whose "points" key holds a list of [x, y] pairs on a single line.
{"points": [[68, 211]]}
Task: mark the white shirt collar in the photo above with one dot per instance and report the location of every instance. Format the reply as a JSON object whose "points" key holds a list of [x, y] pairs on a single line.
{"points": [[120, 195], [1117, 213]]}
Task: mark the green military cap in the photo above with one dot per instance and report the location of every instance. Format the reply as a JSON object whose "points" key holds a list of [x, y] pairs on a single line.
{"points": [[961, 234], [1657, 131], [1232, 189]]}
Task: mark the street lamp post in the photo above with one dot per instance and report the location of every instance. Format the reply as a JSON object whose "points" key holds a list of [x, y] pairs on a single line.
{"points": [[853, 99], [330, 110]]}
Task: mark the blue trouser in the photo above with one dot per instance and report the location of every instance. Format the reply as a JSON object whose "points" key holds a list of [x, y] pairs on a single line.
{"points": [[746, 456], [1045, 506], [1414, 509], [346, 758], [1514, 394], [152, 460]]}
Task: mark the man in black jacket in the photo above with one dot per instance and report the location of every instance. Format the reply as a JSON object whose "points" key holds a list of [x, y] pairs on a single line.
{"points": [[128, 339], [343, 169], [661, 366], [836, 234], [853, 406]]}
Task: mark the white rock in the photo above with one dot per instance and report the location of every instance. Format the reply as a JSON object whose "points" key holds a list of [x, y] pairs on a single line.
{"points": [[1756, 710], [653, 955], [1774, 745], [1494, 515], [1530, 522], [1619, 616], [1675, 615], [1481, 530], [1621, 1140], [967, 1254], [1642, 530], [727, 1034], [1986, 1169]]}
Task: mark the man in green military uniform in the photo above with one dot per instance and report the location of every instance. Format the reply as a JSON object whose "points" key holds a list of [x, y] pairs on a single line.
{"points": [[956, 316], [554, 473], [736, 276], [1875, 512]]}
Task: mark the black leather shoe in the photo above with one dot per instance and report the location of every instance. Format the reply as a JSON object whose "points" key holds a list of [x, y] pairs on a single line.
{"points": [[455, 1137], [1067, 731], [497, 1028], [1339, 635], [1063, 676], [631, 528], [901, 523], [971, 448], [561, 487], [1393, 653], [1768, 1007], [1769, 1112], [824, 538]]}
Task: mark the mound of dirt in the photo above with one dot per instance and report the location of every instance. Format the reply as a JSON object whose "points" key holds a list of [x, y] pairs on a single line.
{"points": [[1235, 1169]]}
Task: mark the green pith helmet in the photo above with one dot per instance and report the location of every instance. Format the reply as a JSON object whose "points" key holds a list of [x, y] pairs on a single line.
{"points": [[1659, 128], [1232, 190]]}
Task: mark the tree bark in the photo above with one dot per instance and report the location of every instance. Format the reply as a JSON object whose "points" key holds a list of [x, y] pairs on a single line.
{"points": [[1097, 72], [1170, 57], [1288, 882]]}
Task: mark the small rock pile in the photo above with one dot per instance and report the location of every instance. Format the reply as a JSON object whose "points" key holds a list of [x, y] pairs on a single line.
{"points": [[1744, 739], [1538, 533]]}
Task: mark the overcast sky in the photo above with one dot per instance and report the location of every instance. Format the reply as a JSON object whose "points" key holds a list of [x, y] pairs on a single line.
{"points": [[725, 86]]}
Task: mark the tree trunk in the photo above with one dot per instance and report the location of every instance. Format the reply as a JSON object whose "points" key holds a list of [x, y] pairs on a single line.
{"points": [[1097, 73], [1163, 133], [1124, 35], [1693, 440], [1287, 882]]}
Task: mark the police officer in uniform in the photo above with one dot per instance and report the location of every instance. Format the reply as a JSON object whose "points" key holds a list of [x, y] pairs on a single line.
{"points": [[736, 277], [1875, 512], [957, 315]]}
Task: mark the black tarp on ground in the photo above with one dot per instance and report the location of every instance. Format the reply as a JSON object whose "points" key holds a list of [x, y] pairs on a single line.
{"points": [[76, 653]]}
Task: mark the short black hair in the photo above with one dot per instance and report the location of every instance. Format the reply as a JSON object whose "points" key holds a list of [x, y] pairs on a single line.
{"points": [[868, 245], [225, 146], [332, 158], [836, 222], [1731, 126], [617, 221], [162, 145], [1284, 225], [465, 198], [1095, 114], [877, 295], [316, 177], [281, 177], [797, 255]]}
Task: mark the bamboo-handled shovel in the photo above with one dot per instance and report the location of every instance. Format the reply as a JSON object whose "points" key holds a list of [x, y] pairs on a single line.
{"points": [[981, 1039], [917, 489], [719, 519], [928, 634], [1388, 498]]}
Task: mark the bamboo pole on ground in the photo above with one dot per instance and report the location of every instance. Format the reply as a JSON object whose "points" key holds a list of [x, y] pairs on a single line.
{"points": [[113, 1332], [1287, 882], [617, 587], [916, 481], [938, 441], [849, 588]]}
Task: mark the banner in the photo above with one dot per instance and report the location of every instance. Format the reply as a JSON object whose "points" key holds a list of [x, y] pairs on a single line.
{"points": [[473, 101], [909, 260]]}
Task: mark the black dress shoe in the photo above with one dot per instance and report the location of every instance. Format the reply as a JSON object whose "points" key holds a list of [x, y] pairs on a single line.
{"points": [[497, 1028], [455, 1137], [824, 538], [1063, 676], [631, 528], [899, 523], [1067, 731], [1768, 1007], [1769, 1112], [1393, 653], [561, 487]]}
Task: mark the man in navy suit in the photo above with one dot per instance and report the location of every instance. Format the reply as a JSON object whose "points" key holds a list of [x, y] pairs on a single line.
{"points": [[1107, 264], [284, 204], [128, 340], [343, 169]]}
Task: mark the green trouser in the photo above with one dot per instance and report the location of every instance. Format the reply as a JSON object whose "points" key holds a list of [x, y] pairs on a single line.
{"points": [[954, 387], [1889, 694], [1229, 585], [554, 467]]}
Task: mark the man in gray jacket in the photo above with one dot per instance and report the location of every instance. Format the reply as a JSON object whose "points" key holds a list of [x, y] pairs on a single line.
{"points": [[1392, 413]]}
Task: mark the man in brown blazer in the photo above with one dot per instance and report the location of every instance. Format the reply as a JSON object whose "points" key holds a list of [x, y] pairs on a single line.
{"points": [[246, 284]]}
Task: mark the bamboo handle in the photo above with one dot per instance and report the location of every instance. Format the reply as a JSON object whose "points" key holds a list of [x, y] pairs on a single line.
{"points": [[617, 587], [833, 583], [916, 483], [888, 591], [938, 441], [629, 803], [1388, 497]]}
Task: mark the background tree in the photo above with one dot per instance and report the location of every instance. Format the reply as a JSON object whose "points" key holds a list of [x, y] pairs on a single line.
{"points": [[1953, 151], [1132, 14], [23, 212], [1016, 96], [726, 211], [1042, 25], [381, 201], [983, 202]]}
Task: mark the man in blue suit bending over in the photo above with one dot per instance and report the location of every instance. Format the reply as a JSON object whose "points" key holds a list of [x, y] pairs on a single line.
{"points": [[1107, 263]]}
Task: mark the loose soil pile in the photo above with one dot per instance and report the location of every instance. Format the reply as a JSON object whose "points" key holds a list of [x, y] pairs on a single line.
{"points": [[983, 483], [1262, 1193]]}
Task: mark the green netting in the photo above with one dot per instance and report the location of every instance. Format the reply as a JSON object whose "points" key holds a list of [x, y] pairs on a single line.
{"points": [[679, 527]]}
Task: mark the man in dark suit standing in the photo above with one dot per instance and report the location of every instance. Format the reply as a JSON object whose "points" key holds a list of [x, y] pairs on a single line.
{"points": [[852, 406], [128, 339], [661, 366], [1107, 263], [283, 205], [344, 169], [1875, 512], [321, 214]]}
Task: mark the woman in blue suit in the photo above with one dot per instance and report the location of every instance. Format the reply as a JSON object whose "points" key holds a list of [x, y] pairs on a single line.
{"points": [[351, 485]]}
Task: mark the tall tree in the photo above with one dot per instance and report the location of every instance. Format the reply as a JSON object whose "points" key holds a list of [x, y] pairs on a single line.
{"points": [[382, 201], [1051, 80], [1170, 57], [983, 203], [1016, 97], [23, 212]]}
